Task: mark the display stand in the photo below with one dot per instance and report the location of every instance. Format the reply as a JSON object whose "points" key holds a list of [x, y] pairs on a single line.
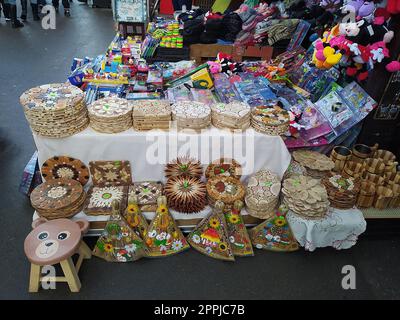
{"points": [[203, 52]]}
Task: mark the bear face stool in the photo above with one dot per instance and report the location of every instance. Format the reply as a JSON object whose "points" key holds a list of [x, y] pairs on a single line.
{"points": [[53, 242]]}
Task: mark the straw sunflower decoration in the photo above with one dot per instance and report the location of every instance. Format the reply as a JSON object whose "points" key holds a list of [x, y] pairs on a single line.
{"points": [[186, 194], [185, 167]]}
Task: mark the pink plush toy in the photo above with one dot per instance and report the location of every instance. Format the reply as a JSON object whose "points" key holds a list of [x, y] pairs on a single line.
{"points": [[215, 67]]}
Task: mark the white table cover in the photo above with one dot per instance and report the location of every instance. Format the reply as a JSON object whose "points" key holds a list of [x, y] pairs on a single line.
{"points": [[148, 152], [339, 229]]}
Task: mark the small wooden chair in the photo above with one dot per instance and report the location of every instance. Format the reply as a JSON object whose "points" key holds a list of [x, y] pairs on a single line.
{"points": [[55, 242]]}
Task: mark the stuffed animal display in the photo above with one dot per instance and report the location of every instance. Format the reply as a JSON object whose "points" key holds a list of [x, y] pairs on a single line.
{"points": [[357, 45]]}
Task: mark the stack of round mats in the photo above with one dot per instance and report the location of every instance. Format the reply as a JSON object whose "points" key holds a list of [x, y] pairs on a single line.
{"points": [[234, 115], [55, 110], [65, 167], [317, 164], [58, 198], [262, 194], [110, 115], [271, 120], [191, 115]]}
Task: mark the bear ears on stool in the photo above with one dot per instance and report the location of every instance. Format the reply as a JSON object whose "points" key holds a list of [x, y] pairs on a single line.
{"points": [[52, 241], [82, 223]]}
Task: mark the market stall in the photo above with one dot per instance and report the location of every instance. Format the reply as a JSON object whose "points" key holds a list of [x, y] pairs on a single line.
{"points": [[137, 142]]}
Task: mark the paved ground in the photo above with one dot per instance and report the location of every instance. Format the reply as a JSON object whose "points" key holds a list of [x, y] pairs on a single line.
{"points": [[32, 56]]}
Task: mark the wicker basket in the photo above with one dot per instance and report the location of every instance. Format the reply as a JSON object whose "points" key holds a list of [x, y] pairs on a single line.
{"points": [[395, 202], [342, 192], [340, 155], [383, 197], [375, 179], [366, 195], [353, 169]]}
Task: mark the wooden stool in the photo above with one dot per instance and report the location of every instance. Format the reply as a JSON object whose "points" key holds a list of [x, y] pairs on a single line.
{"points": [[56, 241]]}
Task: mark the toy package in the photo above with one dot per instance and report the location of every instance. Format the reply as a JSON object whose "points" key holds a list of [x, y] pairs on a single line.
{"points": [[336, 111], [359, 100], [179, 93], [203, 95], [249, 93], [199, 78], [225, 90], [313, 122], [314, 80]]}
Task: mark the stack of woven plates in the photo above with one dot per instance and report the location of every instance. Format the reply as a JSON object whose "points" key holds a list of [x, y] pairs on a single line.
{"points": [[316, 164], [110, 115], [191, 115], [272, 120], [234, 115], [342, 192], [55, 110], [58, 198], [305, 196], [262, 194], [151, 114], [226, 189]]}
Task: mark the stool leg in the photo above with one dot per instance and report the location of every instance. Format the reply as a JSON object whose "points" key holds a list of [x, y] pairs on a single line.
{"points": [[85, 250], [34, 278], [71, 275]]}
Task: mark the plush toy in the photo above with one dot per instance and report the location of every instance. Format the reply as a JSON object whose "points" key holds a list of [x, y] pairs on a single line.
{"points": [[365, 45], [228, 66], [330, 5], [214, 66], [360, 9], [325, 56]]}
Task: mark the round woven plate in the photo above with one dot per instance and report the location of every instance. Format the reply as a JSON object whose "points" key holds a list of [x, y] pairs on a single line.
{"points": [[65, 167], [56, 194]]}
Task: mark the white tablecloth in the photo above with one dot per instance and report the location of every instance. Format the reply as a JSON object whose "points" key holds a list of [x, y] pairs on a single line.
{"points": [[339, 229], [148, 152]]}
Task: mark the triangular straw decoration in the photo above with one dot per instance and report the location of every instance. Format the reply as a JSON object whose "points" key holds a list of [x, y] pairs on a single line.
{"points": [[238, 237], [274, 234], [210, 236], [118, 242], [163, 236], [133, 215]]}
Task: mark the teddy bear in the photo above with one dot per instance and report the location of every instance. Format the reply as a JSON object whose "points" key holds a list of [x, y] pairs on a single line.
{"points": [[52, 241]]}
